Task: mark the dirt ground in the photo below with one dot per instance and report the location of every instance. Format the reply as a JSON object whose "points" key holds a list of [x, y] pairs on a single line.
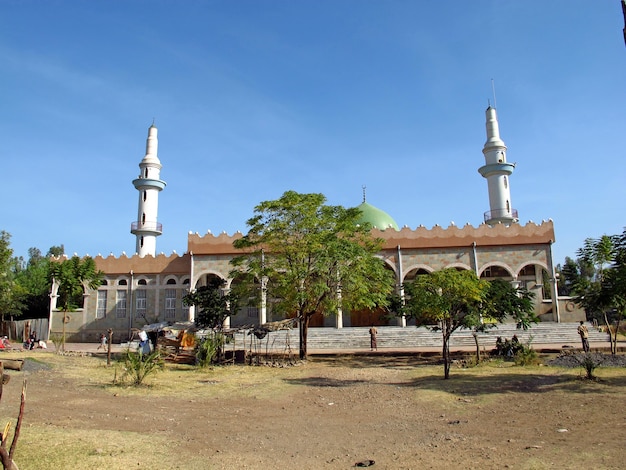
{"points": [[329, 413]]}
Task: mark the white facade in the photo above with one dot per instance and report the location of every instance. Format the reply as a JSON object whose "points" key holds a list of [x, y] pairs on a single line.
{"points": [[146, 228], [497, 171]]}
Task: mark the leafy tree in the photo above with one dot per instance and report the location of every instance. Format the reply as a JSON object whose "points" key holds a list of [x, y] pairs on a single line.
{"points": [[600, 288], [73, 275], [505, 301], [34, 279], [212, 303], [213, 307], [454, 299], [313, 258], [572, 273], [10, 292], [614, 285]]}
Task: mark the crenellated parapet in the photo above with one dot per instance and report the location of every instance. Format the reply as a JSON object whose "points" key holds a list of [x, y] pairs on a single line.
{"points": [[160, 264], [210, 244], [483, 235]]}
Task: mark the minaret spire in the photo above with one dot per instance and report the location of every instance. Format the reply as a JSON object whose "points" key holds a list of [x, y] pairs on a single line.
{"points": [[149, 184], [497, 171]]}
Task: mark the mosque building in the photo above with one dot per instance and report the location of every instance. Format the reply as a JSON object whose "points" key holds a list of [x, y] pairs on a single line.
{"points": [[148, 288]]}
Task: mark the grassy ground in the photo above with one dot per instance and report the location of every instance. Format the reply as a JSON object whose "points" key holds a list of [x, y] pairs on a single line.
{"points": [[327, 413]]}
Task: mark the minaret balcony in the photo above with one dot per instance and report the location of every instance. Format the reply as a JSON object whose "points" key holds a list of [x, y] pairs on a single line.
{"points": [[501, 215], [148, 183], [154, 228], [496, 169]]}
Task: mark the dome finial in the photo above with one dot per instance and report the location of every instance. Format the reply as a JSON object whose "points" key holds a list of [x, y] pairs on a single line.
{"points": [[364, 188]]}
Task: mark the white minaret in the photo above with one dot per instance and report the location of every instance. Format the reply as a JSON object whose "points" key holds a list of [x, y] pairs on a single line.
{"points": [[146, 228], [497, 172]]}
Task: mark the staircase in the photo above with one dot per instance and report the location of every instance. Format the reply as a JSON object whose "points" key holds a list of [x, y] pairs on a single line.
{"points": [[412, 338]]}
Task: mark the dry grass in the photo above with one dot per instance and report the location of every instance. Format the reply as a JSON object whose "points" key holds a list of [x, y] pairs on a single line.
{"points": [[84, 421]]}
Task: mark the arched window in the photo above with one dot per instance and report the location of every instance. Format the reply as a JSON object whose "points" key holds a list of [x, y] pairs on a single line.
{"points": [[122, 282], [170, 282], [142, 282]]}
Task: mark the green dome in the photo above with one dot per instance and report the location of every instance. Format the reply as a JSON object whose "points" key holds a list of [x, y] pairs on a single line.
{"points": [[376, 218]]}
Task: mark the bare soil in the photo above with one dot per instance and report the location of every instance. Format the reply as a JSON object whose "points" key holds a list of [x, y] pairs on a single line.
{"points": [[328, 413]]}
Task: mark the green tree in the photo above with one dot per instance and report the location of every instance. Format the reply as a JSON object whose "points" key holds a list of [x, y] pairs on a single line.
{"points": [[213, 306], [10, 292], [34, 279], [453, 299], [313, 258], [504, 301], [73, 275], [614, 285], [572, 273], [600, 285]]}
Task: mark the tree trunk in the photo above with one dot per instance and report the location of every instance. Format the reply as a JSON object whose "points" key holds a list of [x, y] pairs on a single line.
{"points": [[610, 330], [475, 335], [64, 322], [446, 357], [110, 340], [445, 329], [304, 329]]}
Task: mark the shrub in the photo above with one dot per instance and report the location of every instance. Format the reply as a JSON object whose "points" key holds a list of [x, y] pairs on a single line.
{"points": [[525, 355], [138, 366], [589, 362], [208, 348], [59, 341]]}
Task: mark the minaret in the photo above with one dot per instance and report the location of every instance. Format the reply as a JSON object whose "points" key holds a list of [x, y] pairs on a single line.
{"points": [[497, 172], [146, 228]]}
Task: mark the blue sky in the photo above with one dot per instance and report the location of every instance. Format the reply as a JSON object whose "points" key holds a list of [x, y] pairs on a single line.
{"points": [[253, 98]]}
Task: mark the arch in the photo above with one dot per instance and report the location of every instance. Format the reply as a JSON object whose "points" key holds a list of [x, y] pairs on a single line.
{"points": [[142, 281], [535, 280], [416, 270], [495, 269], [458, 267], [531, 263], [368, 316], [248, 312], [388, 264], [202, 279]]}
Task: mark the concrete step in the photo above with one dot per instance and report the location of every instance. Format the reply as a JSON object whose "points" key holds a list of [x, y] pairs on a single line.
{"points": [[409, 337]]}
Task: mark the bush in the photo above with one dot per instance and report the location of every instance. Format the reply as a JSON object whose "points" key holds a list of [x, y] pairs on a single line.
{"points": [[138, 366], [58, 340], [526, 356], [589, 362], [208, 348]]}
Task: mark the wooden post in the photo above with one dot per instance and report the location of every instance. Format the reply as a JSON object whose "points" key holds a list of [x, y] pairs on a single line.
{"points": [[110, 340]]}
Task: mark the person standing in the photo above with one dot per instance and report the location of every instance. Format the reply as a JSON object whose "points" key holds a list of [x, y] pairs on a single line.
{"points": [[584, 335], [373, 333]]}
